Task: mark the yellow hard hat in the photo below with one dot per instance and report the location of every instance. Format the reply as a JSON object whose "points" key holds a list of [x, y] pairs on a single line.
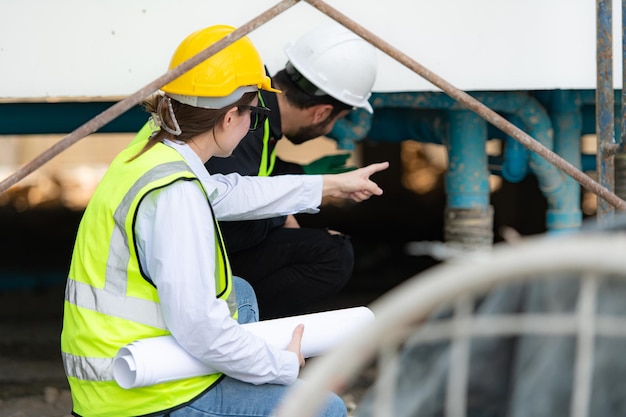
{"points": [[221, 79]]}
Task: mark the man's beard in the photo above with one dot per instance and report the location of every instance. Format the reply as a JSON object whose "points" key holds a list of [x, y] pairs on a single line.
{"points": [[306, 133]]}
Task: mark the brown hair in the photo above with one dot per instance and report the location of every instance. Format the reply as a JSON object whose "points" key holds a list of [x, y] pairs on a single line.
{"points": [[303, 100], [192, 120]]}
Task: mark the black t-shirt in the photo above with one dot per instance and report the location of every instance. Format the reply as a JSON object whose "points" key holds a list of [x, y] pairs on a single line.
{"points": [[246, 160]]}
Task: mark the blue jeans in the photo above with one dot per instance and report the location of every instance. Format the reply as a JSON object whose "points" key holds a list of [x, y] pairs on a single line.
{"points": [[232, 398], [247, 305]]}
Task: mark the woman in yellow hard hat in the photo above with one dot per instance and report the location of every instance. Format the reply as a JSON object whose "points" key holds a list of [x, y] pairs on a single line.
{"points": [[149, 260]]}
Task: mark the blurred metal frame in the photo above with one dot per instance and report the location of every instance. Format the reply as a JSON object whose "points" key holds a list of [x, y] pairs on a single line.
{"points": [[404, 310]]}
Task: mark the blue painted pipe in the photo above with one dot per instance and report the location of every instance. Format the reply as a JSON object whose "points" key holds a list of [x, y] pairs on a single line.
{"points": [[395, 124], [352, 128], [588, 162], [522, 105], [571, 114], [567, 123], [467, 178], [515, 156]]}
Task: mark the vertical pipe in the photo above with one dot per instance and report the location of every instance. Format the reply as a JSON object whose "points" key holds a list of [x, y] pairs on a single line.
{"points": [[567, 124], [605, 105], [620, 157], [467, 179], [468, 219], [515, 165], [623, 102]]}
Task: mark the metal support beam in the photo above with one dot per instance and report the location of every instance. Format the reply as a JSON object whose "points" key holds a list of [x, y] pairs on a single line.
{"points": [[605, 105]]}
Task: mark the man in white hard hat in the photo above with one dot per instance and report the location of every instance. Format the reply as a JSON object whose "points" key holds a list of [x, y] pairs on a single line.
{"points": [[330, 71]]}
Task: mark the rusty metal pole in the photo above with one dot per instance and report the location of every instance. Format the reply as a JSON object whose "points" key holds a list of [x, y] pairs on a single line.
{"points": [[620, 156], [622, 124], [605, 105], [474, 105], [136, 98]]}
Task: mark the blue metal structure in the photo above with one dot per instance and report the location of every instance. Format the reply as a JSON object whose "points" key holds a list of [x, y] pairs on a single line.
{"points": [[557, 119]]}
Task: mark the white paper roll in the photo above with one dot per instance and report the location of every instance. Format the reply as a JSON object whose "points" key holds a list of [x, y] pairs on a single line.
{"points": [[142, 363]]}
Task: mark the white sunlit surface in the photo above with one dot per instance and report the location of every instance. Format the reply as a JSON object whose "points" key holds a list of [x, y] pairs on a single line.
{"points": [[113, 48]]}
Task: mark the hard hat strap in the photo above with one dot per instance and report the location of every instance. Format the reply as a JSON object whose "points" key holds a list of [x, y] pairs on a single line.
{"points": [[302, 83], [160, 122]]}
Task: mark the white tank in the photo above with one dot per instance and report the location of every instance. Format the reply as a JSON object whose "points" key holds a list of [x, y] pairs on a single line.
{"points": [[113, 48]]}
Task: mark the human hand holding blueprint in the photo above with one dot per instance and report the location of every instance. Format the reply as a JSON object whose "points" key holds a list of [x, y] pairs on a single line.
{"points": [[161, 359]]}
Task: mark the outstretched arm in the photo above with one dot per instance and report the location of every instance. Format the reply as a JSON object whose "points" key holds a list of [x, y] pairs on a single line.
{"points": [[355, 185]]}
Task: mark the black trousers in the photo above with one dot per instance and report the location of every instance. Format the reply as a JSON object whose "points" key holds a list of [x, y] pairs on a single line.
{"points": [[292, 269]]}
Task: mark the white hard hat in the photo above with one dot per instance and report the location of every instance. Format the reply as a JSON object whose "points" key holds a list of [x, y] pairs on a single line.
{"points": [[336, 61]]}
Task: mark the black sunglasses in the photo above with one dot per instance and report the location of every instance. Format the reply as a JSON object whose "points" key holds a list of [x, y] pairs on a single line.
{"points": [[257, 115]]}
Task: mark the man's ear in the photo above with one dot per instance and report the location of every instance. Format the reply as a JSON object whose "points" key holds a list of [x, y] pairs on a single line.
{"points": [[322, 112]]}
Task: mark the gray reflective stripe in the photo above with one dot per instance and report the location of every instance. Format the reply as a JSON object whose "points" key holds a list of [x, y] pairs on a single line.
{"points": [[88, 369], [119, 253], [231, 301], [137, 310], [112, 300]]}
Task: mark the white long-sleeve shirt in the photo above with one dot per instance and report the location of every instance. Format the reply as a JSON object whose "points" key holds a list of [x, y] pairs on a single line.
{"points": [[176, 244]]}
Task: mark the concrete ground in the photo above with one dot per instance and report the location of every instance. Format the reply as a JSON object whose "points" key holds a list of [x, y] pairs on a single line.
{"points": [[32, 381]]}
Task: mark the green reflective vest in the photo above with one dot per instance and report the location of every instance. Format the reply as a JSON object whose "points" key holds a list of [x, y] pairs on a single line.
{"points": [[268, 159], [108, 303]]}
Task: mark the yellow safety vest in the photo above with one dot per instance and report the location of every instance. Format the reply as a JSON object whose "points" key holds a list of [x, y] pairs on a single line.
{"points": [[109, 303], [144, 133]]}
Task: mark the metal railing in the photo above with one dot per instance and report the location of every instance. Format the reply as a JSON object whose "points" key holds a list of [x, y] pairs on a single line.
{"points": [[412, 316]]}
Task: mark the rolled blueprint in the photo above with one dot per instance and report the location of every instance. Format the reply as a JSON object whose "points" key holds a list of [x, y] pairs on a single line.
{"points": [[161, 359]]}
